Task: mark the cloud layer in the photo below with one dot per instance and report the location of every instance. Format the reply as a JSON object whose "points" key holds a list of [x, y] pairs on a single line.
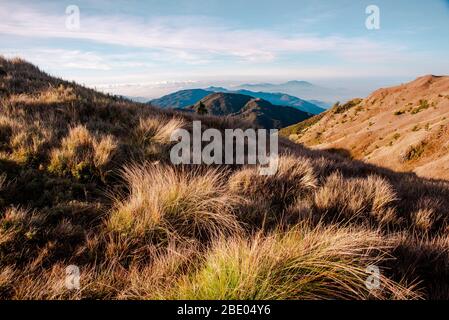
{"points": [[195, 40]]}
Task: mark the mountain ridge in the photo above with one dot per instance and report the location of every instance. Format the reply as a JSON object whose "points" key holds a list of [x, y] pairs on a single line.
{"points": [[404, 127], [257, 111]]}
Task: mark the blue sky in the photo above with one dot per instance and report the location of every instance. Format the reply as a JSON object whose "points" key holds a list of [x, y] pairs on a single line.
{"points": [[148, 48]]}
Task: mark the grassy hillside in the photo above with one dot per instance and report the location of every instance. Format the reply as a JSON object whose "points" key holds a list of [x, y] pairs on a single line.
{"points": [[85, 180], [403, 127]]}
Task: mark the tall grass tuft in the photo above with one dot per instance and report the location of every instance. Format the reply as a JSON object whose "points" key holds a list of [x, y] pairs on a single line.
{"points": [[303, 263], [164, 201], [356, 199], [272, 194], [152, 135], [83, 155]]}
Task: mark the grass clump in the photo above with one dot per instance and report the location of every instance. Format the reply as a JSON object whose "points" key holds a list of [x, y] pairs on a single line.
{"points": [[166, 202], [356, 199], [423, 105], [303, 263], [82, 155], [341, 108], [30, 144], [414, 152], [152, 135], [268, 195]]}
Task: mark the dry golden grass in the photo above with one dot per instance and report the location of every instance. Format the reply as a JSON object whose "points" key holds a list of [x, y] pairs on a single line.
{"points": [[85, 180], [157, 129], [164, 201], [152, 135], [83, 155], [356, 199], [51, 96], [303, 263], [267, 196], [404, 128]]}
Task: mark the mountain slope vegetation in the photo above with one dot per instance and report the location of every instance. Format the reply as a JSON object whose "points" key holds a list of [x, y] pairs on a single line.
{"points": [[85, 180], [258, 112], [404, 128]]}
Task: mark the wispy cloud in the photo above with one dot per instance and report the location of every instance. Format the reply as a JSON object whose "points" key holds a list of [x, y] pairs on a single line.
{"points": [[64, 58], [195, 40]]}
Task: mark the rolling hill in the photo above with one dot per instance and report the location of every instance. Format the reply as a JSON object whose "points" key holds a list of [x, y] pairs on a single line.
{"points": [[405, 128], [256, 111]]}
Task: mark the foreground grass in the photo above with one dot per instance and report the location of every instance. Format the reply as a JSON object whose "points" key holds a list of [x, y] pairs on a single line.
{"points": [[303, 263]]}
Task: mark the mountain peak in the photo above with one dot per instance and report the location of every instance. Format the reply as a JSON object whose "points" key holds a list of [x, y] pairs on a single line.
{"points": [[254, 110], [428, 80]]}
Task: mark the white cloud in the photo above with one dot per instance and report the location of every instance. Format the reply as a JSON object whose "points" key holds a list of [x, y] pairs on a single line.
{"points": [[194, 40], [73, 59]]}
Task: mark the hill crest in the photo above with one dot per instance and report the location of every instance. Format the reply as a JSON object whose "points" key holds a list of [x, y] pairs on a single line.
{"points": [[404, 127]]}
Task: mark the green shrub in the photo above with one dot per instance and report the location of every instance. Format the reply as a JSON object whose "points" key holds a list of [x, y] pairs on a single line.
{"points": [[423, 105]]}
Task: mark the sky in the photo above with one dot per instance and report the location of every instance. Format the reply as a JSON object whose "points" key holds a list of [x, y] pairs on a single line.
{"points": [[149, 48]]}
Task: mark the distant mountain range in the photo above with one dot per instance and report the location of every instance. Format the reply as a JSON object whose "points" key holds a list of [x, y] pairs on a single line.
{"points": [[185, 98], [303, 89], [257, 111], [136, 99], [269, 86], [277, 98]]}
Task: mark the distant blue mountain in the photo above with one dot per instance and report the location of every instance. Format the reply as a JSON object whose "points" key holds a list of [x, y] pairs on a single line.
{"points": [[137, 99], [293, 84], [285, 100], [322, 104], [303, 89], [257, 111], [277, 99], [180, 99], [185, 98]]}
